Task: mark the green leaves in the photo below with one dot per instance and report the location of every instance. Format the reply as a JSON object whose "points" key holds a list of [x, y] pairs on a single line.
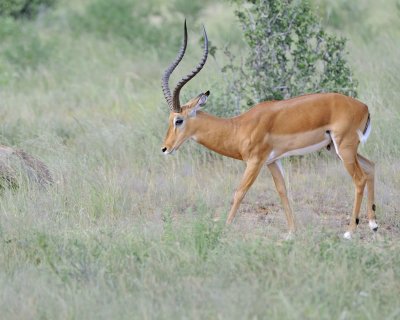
{"points": [[23, 8], [290, 54]]}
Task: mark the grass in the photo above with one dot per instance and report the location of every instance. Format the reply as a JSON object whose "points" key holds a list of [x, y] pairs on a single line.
{"points": [[126, 233]]}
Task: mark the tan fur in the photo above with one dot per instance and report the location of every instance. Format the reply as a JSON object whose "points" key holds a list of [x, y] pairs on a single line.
{"points": [[275, 128]]}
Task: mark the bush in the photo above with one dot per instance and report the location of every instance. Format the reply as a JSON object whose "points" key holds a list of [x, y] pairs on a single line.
{"points": [[289, 54], [23, 8]]}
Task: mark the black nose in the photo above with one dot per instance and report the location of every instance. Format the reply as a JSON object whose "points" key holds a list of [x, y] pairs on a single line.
{"points": [[164, 149]]}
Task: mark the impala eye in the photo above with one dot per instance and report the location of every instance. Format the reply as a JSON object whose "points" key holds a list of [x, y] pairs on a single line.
{"points": [[178, 122]]}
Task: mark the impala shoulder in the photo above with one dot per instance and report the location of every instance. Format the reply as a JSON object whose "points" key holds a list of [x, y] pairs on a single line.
{"points": [[265, 107]]}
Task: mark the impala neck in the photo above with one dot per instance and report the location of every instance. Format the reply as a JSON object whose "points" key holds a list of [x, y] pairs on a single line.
{"points": [[216, 134]]}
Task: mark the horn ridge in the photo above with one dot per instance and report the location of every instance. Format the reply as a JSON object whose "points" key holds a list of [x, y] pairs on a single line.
{"points": [[176, 106], [171, 68]]}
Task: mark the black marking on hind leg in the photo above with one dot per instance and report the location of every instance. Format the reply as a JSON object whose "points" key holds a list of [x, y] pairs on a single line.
{"points": [[328, 147], [357, 221], [373, 207]]}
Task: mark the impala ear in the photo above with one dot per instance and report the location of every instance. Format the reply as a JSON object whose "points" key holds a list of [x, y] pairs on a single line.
{"points": [[201, 102], [203, 99]]}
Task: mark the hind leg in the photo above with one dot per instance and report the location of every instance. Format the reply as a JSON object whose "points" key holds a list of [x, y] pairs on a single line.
{"points": [[369, 169], [347, 151]]}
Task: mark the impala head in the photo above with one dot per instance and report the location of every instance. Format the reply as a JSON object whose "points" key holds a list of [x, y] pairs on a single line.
{"points": [[181, 116]]}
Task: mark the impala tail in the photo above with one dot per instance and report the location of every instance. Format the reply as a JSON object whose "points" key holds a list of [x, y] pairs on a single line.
{"points": [[363, 135]]}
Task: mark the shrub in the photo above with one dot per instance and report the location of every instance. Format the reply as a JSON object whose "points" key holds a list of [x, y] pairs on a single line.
{"points": [[289, 54], [23, 8]]}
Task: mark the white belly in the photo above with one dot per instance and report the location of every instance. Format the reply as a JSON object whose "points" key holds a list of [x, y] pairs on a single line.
{"points": [[275, 155]]}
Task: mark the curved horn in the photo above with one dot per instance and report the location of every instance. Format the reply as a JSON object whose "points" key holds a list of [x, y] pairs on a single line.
{"points": [[171, 68], [175, 97]]}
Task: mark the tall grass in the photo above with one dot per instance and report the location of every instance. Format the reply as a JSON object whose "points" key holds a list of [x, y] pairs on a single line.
{"points": [[126, 233]]}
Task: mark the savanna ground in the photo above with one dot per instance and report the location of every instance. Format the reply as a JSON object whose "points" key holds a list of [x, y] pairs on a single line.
{"points": [[128, 233]]}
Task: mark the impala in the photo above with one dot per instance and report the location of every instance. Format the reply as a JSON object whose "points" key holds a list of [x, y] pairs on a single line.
{"points": [[272, 130]]}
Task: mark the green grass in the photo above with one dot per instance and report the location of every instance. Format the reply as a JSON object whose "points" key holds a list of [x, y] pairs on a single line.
{"points": [[148, 271], [127, 233]]}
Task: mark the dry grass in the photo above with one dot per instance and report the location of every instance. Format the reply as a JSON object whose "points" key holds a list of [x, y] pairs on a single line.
{"points": [[18, 167], [126, 233]]}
